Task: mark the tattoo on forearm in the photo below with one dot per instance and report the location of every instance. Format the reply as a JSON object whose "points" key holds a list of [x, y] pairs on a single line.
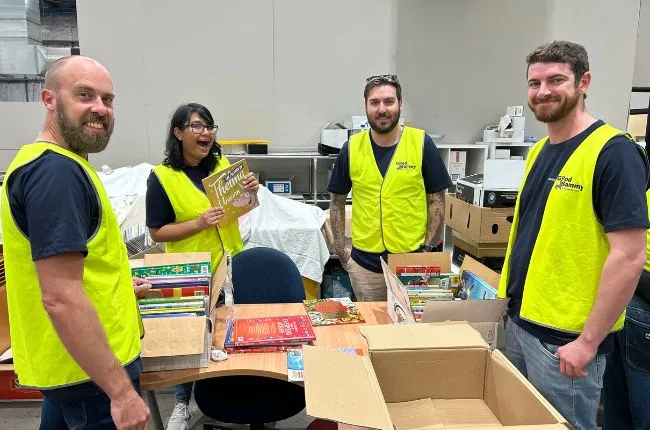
{"points": [[337, 218], [435, 216]]}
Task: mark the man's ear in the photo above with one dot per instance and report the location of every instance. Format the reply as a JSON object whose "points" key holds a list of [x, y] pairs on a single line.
{"points": [[48, 97], [584, 83]]}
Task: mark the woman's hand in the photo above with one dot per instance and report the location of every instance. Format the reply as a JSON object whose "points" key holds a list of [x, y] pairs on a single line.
{"points": [[210, 218], [250, 183]]}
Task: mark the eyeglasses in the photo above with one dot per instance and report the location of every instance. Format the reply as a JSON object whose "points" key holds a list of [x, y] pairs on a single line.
{"points": [[198, 127], [383, 78]]}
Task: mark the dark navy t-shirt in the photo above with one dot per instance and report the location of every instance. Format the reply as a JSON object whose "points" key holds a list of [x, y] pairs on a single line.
{"points": [[54, 204], [434, 173], [158, 206], [619, 202]]}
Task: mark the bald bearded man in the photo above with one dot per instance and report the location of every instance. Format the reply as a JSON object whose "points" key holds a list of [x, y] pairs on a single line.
{"points": [[74, 323]]}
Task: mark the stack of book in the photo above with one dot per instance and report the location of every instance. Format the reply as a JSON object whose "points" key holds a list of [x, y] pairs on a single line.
{"points": [[426, 283], [268, 334], [174, 306], [177, 290]]}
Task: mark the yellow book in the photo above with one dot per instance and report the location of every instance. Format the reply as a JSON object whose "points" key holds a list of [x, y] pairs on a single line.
{"points": [[225, 189]]}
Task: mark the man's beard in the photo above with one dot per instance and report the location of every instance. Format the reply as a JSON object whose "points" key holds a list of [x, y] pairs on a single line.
{"points": [[384, 130], [79, 141], [561, 111]]}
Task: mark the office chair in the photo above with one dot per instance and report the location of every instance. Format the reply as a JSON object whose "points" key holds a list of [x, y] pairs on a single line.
{"points": [[260, 275]]}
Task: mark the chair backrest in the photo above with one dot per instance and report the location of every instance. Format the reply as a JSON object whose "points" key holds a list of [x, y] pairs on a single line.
{"points": [[266, 275]]}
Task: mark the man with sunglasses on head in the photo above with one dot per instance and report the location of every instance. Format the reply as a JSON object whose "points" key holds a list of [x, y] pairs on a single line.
{"points": [[398, 182]]}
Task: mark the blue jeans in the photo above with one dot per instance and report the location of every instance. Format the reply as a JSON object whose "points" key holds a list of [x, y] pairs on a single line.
{"points": [[576, 399], [82, 407], [627, 378], [184, 392]]}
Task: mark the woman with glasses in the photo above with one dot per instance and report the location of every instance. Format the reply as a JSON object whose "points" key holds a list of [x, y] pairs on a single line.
{"points": [[178, 210]]}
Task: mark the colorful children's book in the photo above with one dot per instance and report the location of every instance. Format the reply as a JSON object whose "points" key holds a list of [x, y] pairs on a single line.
{"points": [[475, 288], [296, 329], [333, 311], [172, 270], [225, 189]]}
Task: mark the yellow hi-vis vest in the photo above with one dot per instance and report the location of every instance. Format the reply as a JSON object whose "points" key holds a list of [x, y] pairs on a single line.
{"points": [[40, 358], [390, 212], [571, 247], [189, 203]]}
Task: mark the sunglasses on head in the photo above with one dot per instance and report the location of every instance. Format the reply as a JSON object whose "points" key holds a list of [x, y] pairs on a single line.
{"points": [[384, 78]]}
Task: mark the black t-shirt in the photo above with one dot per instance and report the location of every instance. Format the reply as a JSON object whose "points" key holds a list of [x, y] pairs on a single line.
{"points": [[158, 207], [54, 204], [619, 201], [434, 173]]}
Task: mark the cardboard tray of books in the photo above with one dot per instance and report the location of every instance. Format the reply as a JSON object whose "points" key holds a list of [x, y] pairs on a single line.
{"points": [[442, 302], [178, 317]]}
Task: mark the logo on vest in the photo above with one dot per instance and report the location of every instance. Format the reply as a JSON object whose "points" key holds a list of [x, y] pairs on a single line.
{"points": [[404, 165], [566, 183]]}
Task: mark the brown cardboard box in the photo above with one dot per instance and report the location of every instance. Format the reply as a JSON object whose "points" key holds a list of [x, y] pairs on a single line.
{"points": [[483, 225], [485, 316], [419, 376], [182, 342]]}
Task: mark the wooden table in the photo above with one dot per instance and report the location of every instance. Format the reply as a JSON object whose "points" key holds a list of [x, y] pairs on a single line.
{"points": [[270, 364]]}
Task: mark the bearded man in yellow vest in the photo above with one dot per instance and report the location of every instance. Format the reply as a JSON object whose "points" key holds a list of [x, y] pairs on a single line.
{"points": [[179, 212], [72, 309], [578, 239], [398, 181]]}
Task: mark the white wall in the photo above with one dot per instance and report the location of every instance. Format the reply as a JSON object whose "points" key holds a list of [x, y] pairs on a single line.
{"points": [[276, 71], [642, 58], [283, 68], [20, 124], [463, 61], [608, 30]]}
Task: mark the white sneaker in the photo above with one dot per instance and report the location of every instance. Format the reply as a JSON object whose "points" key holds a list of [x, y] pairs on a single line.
{"points": [[180, 417]]}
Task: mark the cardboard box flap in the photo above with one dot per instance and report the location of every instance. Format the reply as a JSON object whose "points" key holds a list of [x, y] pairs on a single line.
{"points": [[343, 388], [173, 336], [176, 258], [442, 259], [483, 272], [450, 335], [473, 311]]}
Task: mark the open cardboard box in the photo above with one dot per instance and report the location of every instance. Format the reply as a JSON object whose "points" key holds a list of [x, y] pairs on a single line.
{"points": [[180, 342], [424, 376], [484, 315], [482, 225]]}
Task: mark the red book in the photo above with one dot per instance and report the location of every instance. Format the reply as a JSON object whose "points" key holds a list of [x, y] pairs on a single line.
{"points": [[273, 330], [178, 292]]}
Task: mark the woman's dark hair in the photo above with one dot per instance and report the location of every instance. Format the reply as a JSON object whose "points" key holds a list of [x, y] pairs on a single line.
{"points": [[174, 146]]}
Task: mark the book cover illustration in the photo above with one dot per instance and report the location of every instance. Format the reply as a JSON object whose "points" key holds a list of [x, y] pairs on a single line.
{"points": [[333, 311], [229, 344], [273, 330], [296, 367], [172, 270], [225, 190], [475, 288]]}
